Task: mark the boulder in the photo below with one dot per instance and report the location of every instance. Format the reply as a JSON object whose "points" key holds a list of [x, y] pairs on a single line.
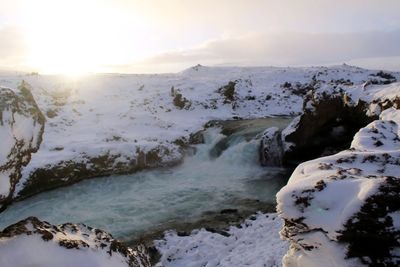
{"points": [[179, 100], [343, 209], [271, 149], [36, 243], [329, 121], [21, 129], [228, 92], [331, 116]]}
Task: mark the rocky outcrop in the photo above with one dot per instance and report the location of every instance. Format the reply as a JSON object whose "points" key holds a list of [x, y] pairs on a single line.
{"points": [[71, 171], [344, 209], [228, 92], [21, 129], [179, 100], [382, 77], [36, 243], [331, 116], [329, 121], [271, 149]]}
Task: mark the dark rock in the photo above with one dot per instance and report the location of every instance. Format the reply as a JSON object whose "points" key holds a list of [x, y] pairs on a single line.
{"points": [[370, 233], [221, 232], [326, 126], [181, 102], [227, 211], [228, 92], [51, 113], [271, 148], [382, 78], [299, 89], [69, 172], [197, 138], [18, 108]]}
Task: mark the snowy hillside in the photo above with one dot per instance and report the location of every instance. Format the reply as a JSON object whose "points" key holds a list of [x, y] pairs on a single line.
{"points": [[110, 122]]}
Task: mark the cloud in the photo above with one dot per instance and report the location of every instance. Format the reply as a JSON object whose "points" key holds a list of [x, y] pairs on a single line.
{"points": [[13, 49], [286, 49]]}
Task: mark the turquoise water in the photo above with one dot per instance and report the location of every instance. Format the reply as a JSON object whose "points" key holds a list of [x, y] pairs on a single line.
{"points": [[131, 204]]}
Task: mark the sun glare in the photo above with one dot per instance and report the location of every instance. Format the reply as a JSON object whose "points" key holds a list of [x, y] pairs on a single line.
{"points": [[78, 37]]}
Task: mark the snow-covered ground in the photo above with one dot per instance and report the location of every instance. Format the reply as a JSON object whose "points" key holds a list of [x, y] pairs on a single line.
{"points": [[35, 243], [255, 243], [115, 115], [121, 114], [330, 205]]}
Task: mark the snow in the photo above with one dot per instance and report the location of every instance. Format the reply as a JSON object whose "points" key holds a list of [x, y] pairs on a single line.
{"points": [[390, 114], [4, 183], [7, 140], [19, 133], [288, 130], [35, 243], [255, 243], [329, 254], [23, 127], [117, 114], [325, 193], [121, 114], [6, 133], [32, 251]]}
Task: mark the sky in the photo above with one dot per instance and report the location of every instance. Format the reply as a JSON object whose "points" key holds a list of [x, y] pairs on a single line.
{"points": [[147, 36]]}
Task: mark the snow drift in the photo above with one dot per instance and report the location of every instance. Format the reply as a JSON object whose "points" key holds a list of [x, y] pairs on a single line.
{"points": [[32, 242]]}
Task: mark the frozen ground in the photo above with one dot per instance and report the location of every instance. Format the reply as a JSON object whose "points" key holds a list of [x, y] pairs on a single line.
{"points": [[34, 243], [117, 114], [255, 243]]}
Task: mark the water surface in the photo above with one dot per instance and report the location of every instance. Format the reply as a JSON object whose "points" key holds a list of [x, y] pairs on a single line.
{"points": [[130, 205]]}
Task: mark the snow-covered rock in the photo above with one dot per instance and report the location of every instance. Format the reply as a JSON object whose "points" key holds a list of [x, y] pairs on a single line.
{"points": [[255, 243], [111, 123], [343, 210], [271, 149], [332, 113], [32, 242], [21, 129], [329, 121], [103, 124]]}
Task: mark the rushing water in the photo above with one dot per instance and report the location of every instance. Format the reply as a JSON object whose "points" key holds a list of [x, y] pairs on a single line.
{"points": [[132, 204]]}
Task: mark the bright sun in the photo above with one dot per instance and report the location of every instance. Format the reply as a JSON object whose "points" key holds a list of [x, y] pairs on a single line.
{"points": [[75, 37]]}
